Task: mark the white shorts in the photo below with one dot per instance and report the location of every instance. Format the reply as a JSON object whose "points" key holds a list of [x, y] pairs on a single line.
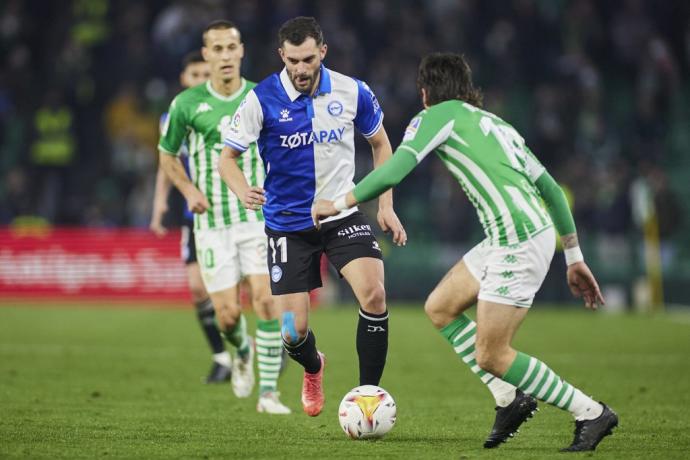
{"points": [[226, 255], [513, 274]]}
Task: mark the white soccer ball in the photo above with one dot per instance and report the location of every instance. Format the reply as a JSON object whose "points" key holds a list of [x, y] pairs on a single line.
{"points": [[367, 412]]}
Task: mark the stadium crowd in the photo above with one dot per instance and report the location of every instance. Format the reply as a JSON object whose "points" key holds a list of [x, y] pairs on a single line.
{"points": [[598, 89]]}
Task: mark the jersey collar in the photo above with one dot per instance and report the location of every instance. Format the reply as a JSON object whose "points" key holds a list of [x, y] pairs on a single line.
{"points": [[230, 98], [324, 84]]}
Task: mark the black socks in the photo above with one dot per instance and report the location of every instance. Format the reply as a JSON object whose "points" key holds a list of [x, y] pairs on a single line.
{"points": [[305, 353], [207, 320], [372, 346]]}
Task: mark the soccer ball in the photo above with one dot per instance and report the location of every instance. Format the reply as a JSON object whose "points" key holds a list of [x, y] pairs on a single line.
{"points": [[367, 412]]}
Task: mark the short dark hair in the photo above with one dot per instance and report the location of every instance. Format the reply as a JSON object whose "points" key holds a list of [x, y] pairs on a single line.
{"points": [[447, 76], [193, 57], [297, 30], [219, 24]]}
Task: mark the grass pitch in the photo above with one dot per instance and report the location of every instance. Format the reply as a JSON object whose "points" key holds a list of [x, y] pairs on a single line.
{"points": [[78, 382]]}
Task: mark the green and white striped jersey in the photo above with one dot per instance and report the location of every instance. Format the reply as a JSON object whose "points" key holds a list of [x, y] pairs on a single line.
{"points": [[491, 162], [200, 115]]}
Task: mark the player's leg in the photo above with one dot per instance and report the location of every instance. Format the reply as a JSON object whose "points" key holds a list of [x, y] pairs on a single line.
{"points": [[293, 261], [366, 277], [513, 275], [219, 265], [445, 306], [353, 250], [497, 324], [220, 372], [222, 363]]}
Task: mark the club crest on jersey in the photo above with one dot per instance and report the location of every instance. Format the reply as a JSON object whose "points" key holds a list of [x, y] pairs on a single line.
{"points": [[411, 130], [323, 136], [335, 108], [285, 116]]}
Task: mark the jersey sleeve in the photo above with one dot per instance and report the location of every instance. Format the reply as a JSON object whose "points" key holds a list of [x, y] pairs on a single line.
{"points": [[173, 129], [369, 114], [246, 124], [426, 131]]}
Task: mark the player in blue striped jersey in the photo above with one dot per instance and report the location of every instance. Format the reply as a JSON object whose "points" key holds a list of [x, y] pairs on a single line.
{"points": [[303, 120]]}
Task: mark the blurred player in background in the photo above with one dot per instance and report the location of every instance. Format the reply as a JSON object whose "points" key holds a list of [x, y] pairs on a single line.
{"points": [[505, 182], [304, 119], [230, 240], [195, 72]]}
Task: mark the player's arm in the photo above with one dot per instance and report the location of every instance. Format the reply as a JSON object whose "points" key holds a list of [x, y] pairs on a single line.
{"points": [[388, 175], [429, 129], [580, 279], [173, 133], [387, 219], [232, 175], [172, 167], [243, 131], [160, 203]]}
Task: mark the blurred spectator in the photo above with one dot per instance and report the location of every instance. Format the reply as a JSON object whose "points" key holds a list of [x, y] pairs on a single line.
{"points": [[596, 88]]}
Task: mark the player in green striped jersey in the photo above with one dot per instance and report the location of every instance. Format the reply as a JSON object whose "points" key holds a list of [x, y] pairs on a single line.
{"points": [[506, 184], [230, 240]]}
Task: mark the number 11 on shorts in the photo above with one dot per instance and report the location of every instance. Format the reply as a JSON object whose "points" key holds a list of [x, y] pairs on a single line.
{"points": [[279, 243]]}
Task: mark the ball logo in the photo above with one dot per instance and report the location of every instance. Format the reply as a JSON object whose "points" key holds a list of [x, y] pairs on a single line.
{"points": [[335, 108], [276, 273]]}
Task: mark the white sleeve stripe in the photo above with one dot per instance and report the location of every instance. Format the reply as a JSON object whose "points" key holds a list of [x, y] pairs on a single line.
{"points": [[376, 128], [235, 145]]}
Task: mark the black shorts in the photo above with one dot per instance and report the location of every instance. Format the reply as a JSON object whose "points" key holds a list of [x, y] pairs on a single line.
{"points": [[294, 258], [187, 243]]}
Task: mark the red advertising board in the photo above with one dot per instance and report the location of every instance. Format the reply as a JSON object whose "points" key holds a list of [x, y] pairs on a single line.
{"points": [[91, 263]]}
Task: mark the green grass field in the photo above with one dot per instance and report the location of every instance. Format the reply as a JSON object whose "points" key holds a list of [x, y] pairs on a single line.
{"points": [[85, 382]]}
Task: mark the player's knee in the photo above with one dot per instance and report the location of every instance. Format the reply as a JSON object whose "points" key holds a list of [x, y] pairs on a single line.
{"points": [[228, 315], [374, 299], [263, 305], [435, 311]]}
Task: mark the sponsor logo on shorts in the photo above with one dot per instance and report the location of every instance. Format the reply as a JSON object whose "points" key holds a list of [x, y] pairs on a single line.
{"points": [[276, 273], [375, 245], [355, 231]]}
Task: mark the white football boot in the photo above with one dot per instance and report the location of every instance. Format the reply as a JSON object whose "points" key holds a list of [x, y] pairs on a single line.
{"points": [[243, 372], [269, 403]]}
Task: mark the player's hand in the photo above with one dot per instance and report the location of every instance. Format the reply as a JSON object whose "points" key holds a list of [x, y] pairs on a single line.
{"points": [[389, 223], [196, 201], [254, 198], [320, 210], [582, 284], [156, 226]]}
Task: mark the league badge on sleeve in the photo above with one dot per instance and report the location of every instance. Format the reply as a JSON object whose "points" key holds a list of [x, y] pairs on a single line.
{"points": [[411, 130]]}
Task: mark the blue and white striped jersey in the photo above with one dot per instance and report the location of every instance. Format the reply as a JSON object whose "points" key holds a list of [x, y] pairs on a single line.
{"points": [[306, 143]]}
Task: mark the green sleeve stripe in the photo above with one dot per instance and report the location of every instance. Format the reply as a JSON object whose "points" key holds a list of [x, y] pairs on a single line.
{"points": [[556, 204], [391, 173]]}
